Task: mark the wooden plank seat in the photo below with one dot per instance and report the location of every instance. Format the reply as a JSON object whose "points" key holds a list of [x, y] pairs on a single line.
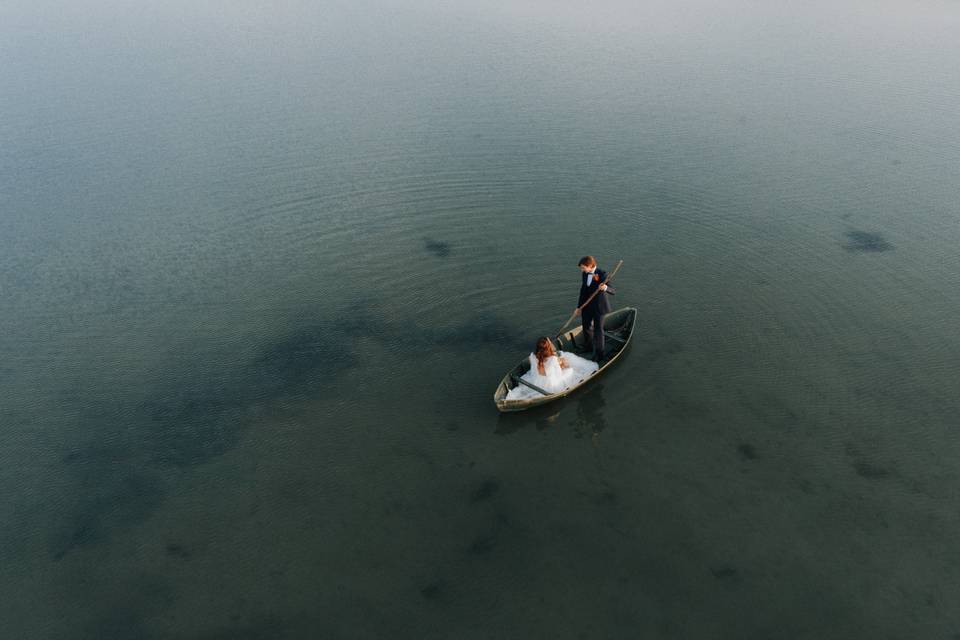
{"points": [[518, 380], [613, 337]]}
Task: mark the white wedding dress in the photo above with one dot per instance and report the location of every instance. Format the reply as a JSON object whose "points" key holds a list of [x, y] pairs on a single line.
{"points": [[556, 379]]}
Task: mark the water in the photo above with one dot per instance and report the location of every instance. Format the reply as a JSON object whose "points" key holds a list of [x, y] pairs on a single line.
{"points": [[263, 266]]}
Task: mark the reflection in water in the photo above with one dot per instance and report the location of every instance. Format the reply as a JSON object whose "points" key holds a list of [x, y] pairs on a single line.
{"points": [[589, 419], [590, 415], [542, 418], [547, 421]]}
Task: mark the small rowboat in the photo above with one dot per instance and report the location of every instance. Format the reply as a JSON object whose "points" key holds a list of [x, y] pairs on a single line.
{"points": [[618, 328]]}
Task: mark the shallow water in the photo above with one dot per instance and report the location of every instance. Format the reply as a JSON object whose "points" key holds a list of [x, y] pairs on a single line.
{"points": [[263, 267]]}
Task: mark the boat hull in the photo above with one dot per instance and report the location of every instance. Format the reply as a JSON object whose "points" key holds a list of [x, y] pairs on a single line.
{"points": [[618, 329]]}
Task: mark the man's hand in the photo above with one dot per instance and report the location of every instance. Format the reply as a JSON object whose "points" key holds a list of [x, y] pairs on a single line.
{"points": [[603, 287], [576, 311]]}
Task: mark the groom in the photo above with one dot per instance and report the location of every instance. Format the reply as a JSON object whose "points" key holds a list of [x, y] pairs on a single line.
{"points": [[592, 314]]}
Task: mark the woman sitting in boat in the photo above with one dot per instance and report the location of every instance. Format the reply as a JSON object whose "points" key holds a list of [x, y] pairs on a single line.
{"points": [[551, 371]]}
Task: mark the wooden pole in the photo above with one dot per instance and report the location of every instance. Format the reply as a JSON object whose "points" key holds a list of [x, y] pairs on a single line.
{"points": [[580, 308]]}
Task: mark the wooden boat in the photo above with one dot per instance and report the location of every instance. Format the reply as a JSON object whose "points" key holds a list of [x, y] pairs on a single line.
{"points": [[618, 329]]}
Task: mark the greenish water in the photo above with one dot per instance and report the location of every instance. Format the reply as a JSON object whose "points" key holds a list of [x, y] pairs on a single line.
{"points": [[262, 268]]}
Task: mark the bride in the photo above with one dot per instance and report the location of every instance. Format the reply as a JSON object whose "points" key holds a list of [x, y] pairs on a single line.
{"points": [[552, 371]]}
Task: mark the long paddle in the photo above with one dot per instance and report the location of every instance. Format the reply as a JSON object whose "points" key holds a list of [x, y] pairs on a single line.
{"points": [[580, 308]]}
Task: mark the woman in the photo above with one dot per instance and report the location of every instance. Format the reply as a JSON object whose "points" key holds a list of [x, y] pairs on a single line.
{"points": [[551, 371]]}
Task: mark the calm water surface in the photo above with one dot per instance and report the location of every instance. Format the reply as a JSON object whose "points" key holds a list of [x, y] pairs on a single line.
{"points": [[262, 266]]}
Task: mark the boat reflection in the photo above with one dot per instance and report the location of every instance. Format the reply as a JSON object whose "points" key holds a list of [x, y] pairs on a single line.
{"points": [[589, 416]]}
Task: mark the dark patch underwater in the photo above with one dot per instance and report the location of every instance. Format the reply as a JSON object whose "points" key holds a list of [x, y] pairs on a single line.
{"points": [[865, 242], [195, 418], [436, 247]]}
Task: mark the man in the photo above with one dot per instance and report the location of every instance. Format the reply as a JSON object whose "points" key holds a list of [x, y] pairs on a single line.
{"points": [[591, 315]]}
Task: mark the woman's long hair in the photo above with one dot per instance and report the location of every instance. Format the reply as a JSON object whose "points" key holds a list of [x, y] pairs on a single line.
{"points": [[543, 351]]}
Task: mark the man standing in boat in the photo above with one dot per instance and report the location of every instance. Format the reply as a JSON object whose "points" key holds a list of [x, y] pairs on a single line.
{"points": [[591, 314]]}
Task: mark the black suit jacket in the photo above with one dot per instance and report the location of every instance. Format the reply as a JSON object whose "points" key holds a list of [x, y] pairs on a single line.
{"points": [[599, 305]]}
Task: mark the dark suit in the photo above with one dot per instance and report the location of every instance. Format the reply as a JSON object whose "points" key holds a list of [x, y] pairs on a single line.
{"points": [[591, 316]]}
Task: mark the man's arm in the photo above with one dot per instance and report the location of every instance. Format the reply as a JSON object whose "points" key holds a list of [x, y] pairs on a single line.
{"points": [[606, 288]]}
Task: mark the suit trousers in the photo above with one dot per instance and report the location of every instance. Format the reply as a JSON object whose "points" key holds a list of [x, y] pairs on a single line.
{"points": [[592, 323]]}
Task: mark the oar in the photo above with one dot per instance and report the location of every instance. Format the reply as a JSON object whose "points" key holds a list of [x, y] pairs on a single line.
{"points": [[580, 308]]}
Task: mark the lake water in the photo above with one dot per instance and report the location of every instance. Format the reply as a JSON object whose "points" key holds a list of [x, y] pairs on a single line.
{"points": [[263, 264]]}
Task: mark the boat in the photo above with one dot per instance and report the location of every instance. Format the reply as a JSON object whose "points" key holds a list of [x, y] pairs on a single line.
{"points": [[618, 329]]}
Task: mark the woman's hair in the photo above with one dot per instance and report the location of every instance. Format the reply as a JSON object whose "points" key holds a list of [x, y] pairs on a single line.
{"points": [[544, 350], [587, 261]]}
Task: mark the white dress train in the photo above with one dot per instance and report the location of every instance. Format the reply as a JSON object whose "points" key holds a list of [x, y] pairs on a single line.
{"points": [[556, 379]]}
